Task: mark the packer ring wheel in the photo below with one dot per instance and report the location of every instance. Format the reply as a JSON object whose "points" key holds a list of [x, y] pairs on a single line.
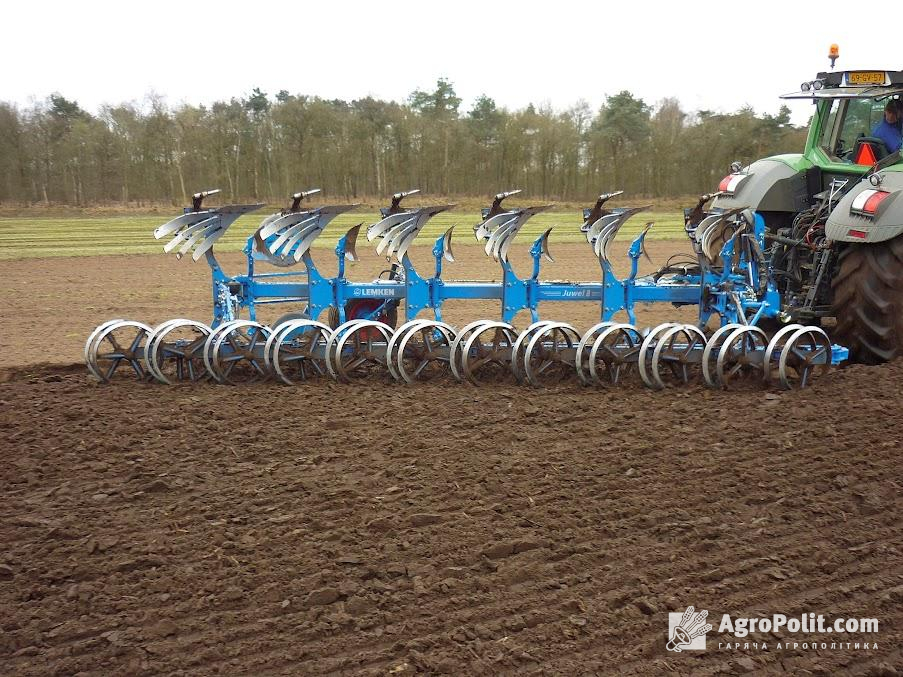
{"points": [[676, 349], [175, 351], [520, 347], [363, 339], [547, 351], [492, 357], [455, 357], [615, 347], [417, 359], [742, 353], [297, 351], [710, 353], [118, 343], [807, 353], [236, 355], [393, 344], [586, 341]]}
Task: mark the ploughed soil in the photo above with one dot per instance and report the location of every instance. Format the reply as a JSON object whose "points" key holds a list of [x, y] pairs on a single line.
{"points": [[375, 528]]}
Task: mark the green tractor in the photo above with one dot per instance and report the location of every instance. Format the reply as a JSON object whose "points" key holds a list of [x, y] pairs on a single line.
{"points": [[834, 215]]}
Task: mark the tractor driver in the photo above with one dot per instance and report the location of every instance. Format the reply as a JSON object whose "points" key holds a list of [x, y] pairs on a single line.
{"points": [[888, 130]]}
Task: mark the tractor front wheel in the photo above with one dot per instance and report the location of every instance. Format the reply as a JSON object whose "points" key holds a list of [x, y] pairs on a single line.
{"points": [[868, 301]]}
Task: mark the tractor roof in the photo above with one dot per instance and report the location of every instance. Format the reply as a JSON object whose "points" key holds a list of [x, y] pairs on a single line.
{"points": [[859, 84]]}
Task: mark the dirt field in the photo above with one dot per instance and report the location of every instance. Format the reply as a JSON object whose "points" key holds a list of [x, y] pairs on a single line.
{"points": [[381, 529], [59, 301]]}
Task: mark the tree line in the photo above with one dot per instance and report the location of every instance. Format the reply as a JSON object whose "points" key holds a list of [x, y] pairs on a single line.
{"points": [[265, 148]]}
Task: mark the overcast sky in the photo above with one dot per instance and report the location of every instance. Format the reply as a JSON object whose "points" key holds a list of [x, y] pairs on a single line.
{"points": [[717, 56]]}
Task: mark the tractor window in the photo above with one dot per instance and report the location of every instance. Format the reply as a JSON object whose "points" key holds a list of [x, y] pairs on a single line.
{"points": [[829, 129], [847, 121]]}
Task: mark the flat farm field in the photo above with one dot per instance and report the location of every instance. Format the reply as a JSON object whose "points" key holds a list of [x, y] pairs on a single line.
{"points": [[374, 528]]}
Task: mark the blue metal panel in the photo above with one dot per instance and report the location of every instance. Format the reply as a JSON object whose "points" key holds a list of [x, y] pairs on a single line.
{"points": [[471, 290]]}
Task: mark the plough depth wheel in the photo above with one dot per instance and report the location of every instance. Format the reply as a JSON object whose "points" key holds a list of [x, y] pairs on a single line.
{"points": [[297, 350], [550, 354], [424, 350], [175, 351], [115, 344]]}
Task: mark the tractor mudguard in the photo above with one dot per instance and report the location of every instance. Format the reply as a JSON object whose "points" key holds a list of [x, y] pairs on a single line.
{"points": [[769, 185], [852, 220]]}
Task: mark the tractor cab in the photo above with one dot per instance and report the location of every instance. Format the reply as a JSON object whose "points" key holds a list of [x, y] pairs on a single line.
{"points": [[841, 150], [849, 106], [819, 206]]}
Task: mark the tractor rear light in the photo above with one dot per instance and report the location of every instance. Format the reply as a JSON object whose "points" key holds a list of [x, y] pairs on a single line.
{"points": [[861, 234], [871, 205], [867, 202], [730, 183]]}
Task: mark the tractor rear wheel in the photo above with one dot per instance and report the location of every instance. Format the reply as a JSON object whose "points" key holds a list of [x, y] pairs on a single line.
{"points": [[868, 301]]}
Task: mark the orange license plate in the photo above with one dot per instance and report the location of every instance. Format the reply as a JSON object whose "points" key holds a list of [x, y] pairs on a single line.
{"points": [[867, 78]]}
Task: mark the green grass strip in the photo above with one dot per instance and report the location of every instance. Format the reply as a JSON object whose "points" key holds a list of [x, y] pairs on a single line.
{"points": [[28, 237]]}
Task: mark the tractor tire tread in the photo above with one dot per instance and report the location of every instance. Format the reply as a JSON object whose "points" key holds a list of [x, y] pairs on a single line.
{"points": [[868, 301]]}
